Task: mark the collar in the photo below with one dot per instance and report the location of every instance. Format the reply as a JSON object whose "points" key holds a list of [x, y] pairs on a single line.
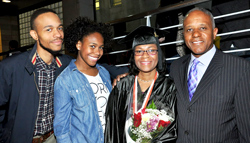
{"points": [[41, 65], [30, 64], [206, 58], [58, 61]]}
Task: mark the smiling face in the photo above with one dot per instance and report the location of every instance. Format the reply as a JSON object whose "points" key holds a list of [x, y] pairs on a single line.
{"points": [[199, 32], [146, 63], [48, 32], [90, 50]]}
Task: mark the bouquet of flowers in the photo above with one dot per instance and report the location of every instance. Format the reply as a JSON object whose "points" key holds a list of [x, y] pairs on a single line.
{"points": [[148, 123]]}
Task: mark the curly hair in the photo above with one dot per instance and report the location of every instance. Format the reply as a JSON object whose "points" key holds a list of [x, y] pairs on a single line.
{"points": [[82, 27]]}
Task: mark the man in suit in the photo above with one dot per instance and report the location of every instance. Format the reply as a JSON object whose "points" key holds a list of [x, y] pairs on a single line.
{"points": [[214, 107]]}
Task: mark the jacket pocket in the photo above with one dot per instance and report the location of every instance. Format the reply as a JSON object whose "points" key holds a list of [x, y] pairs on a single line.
{"points": [[80, 97]]}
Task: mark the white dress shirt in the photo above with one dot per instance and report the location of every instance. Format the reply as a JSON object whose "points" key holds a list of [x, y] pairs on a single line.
{"points": [[205, 60]]}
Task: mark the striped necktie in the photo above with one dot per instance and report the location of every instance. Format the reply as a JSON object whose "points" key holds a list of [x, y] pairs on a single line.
{"points": [[192, 78]]}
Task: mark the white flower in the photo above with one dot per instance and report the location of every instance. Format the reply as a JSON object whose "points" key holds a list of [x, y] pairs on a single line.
{"points": [[163, 116], [149, 116], [145, 117]]}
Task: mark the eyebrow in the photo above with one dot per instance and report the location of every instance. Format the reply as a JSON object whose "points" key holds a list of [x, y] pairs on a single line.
{"points": [[151, 47], [202, 24], [51, 26], [97, 44], [147, 47]]}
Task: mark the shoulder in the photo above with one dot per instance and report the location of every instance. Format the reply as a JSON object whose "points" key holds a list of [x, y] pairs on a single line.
{"points": [[64, 80], [165, 81], [232, 61], [177, 64], [180, 60], [164, 78], [15, 61], [126, 82], [65, 59], [122, 89], [67, 72], [103, 70]]}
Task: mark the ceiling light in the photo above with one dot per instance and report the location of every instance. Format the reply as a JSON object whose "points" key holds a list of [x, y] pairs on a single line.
{"points": [[6, 1]]}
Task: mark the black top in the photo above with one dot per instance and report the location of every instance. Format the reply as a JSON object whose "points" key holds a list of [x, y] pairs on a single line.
{"points": [[163, 95]]}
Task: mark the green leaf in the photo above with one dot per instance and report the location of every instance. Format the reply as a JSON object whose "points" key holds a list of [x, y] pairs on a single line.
{"points": [[151, 106]]}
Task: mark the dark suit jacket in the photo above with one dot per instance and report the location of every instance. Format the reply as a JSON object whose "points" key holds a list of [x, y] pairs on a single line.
{"points": [[19, 96], [220, 108]]}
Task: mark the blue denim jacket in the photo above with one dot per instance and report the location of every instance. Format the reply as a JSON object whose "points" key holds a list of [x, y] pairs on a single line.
{"points": [[76, 115]]}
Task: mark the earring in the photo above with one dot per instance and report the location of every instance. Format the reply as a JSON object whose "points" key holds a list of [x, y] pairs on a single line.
{"points": [[78, 49]]}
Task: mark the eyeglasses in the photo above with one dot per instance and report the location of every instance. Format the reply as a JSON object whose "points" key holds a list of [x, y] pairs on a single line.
{"points": [[141, 52]]}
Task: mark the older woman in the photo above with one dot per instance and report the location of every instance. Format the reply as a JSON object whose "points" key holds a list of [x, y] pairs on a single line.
{"points": [[145, 86]]}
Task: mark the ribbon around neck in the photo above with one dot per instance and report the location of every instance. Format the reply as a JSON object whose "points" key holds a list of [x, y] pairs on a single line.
{"points": [[145, 102]]}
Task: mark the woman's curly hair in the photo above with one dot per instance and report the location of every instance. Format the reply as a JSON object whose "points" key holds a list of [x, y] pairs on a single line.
{"points": [[82, 27]]}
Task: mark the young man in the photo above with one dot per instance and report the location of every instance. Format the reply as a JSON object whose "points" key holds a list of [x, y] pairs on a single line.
{"points": [[27, 83], [214, 107]]}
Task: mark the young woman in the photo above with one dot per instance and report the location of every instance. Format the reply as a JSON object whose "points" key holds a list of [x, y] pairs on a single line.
{"points": [[146, 85], [82, 89]]}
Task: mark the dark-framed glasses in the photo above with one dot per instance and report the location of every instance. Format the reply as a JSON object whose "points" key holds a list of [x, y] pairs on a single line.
{"points": [[141, 52]]}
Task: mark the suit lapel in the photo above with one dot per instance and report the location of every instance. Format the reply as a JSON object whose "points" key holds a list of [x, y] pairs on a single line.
{"points": [[212, 72]]}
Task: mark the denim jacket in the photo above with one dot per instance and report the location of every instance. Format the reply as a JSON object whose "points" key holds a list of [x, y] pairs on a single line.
{"points": [[76, 114]]}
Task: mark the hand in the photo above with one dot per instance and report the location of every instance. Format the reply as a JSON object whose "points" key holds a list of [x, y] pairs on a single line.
{"points": [[118, 79]]}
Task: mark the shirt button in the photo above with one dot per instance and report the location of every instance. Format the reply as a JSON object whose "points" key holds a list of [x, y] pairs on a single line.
{"points": [[45, 105], [47, 91], [43, 119], [186, 132]]}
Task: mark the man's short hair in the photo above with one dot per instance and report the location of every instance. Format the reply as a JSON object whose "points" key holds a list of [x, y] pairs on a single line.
{"points": [[37, 13], [204, 11]]}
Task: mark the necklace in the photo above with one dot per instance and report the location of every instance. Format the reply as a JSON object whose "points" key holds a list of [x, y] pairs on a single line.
{"points": [[144, 80], [145, 102]]}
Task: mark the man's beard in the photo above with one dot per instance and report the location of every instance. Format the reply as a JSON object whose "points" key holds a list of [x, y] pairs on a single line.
{"points": [[54, 53]]}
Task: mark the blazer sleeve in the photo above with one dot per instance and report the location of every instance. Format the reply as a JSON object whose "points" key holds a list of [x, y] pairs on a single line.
{"points": [[242, 106], [5, 91]]}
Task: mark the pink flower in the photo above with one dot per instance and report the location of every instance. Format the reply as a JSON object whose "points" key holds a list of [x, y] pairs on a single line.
{"points": [[151, 125]]}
